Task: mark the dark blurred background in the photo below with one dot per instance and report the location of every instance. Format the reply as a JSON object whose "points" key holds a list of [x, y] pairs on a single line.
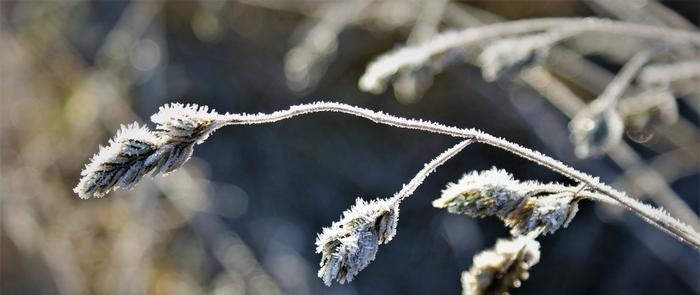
{"points": [[242, 216]]}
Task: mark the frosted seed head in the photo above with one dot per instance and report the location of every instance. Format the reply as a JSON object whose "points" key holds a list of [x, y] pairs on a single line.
{"points": [[522, 206], [349, 245], [480, 194], [186, 123], [496, 270], [120, 164], [549, 213]]}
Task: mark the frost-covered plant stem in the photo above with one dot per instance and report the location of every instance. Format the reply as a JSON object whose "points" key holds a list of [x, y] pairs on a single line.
{"points": [[136, 151], [417, 180], [655, 217]]}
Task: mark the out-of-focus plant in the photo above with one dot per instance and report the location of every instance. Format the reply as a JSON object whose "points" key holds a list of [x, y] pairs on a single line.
{"points": [[594, 129]]}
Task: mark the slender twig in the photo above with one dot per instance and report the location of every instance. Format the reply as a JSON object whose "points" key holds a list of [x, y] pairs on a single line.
{"points": [[409, 188], [662, 221]]}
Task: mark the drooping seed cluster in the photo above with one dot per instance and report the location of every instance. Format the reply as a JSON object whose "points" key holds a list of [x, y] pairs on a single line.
{"points": [[496, 270], [523, 206], [349, 245], [136, 151]]}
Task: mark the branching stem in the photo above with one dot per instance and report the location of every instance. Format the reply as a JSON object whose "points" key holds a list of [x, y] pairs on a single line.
{"points": [[662, 221], [417, 180]]}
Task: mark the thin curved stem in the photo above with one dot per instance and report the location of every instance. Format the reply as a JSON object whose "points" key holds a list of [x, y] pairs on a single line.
{"points": [[417, 180], [655, 217]]}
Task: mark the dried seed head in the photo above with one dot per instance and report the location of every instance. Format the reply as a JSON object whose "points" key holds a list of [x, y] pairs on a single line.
{"points": [[186, 123], [180, 127], [119, 165], [349, 245], [136, 151], [480, 194], [496, 270], [522, 206]]}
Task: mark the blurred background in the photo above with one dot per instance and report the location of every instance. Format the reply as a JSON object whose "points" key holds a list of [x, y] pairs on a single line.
{"points": [[242, 216]]}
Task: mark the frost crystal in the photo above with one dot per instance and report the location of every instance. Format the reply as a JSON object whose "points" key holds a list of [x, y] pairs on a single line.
{"points": [[496, 270], [494, 192], [349, 245], [119, 165]]}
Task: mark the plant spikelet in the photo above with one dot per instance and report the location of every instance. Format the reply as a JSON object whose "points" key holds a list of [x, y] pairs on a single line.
{"points": [[119, 165], [523, 206], [136, 151], [349, 245], [505, 266]]}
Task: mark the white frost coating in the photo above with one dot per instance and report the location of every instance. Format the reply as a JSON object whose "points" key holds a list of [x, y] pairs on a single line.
{"points": [[349, 245], [496, 270]]}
